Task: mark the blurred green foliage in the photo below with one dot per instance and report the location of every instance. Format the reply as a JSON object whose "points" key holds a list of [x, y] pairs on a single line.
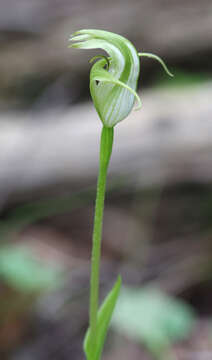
{"points": [[181, 79], [152, 317], [23, 272]]}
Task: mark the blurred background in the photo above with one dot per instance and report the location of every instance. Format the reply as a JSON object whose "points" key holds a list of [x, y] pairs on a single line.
{"points": [[158, 215]]}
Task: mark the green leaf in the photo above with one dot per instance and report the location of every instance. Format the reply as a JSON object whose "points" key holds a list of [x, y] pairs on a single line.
{"points": [[94, 351], [152, 317]]}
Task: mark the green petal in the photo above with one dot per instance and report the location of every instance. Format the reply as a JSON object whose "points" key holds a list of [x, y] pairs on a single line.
{"points": [[107, 77], [155, 57], [100, 57]]}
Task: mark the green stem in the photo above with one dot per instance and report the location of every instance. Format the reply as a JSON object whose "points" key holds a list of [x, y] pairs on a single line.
{"points": [[105, 154]]}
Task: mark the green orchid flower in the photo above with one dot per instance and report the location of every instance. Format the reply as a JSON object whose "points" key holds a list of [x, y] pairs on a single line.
{"points": [[113, 78], [113, 86]]}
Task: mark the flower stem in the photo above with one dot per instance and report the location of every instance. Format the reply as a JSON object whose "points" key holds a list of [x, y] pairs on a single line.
{"points": [[105, 154]]}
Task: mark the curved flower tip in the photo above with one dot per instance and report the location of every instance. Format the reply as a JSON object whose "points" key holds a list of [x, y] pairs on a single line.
{"points": [[155, 57], [113, 78]]}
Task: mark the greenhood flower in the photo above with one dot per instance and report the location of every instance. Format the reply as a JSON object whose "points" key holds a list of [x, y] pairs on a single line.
{"points": [[113, 78], [113, 85]]}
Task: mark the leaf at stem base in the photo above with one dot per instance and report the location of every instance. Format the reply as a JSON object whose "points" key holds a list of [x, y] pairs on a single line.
{"points": [[93, 352]]}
